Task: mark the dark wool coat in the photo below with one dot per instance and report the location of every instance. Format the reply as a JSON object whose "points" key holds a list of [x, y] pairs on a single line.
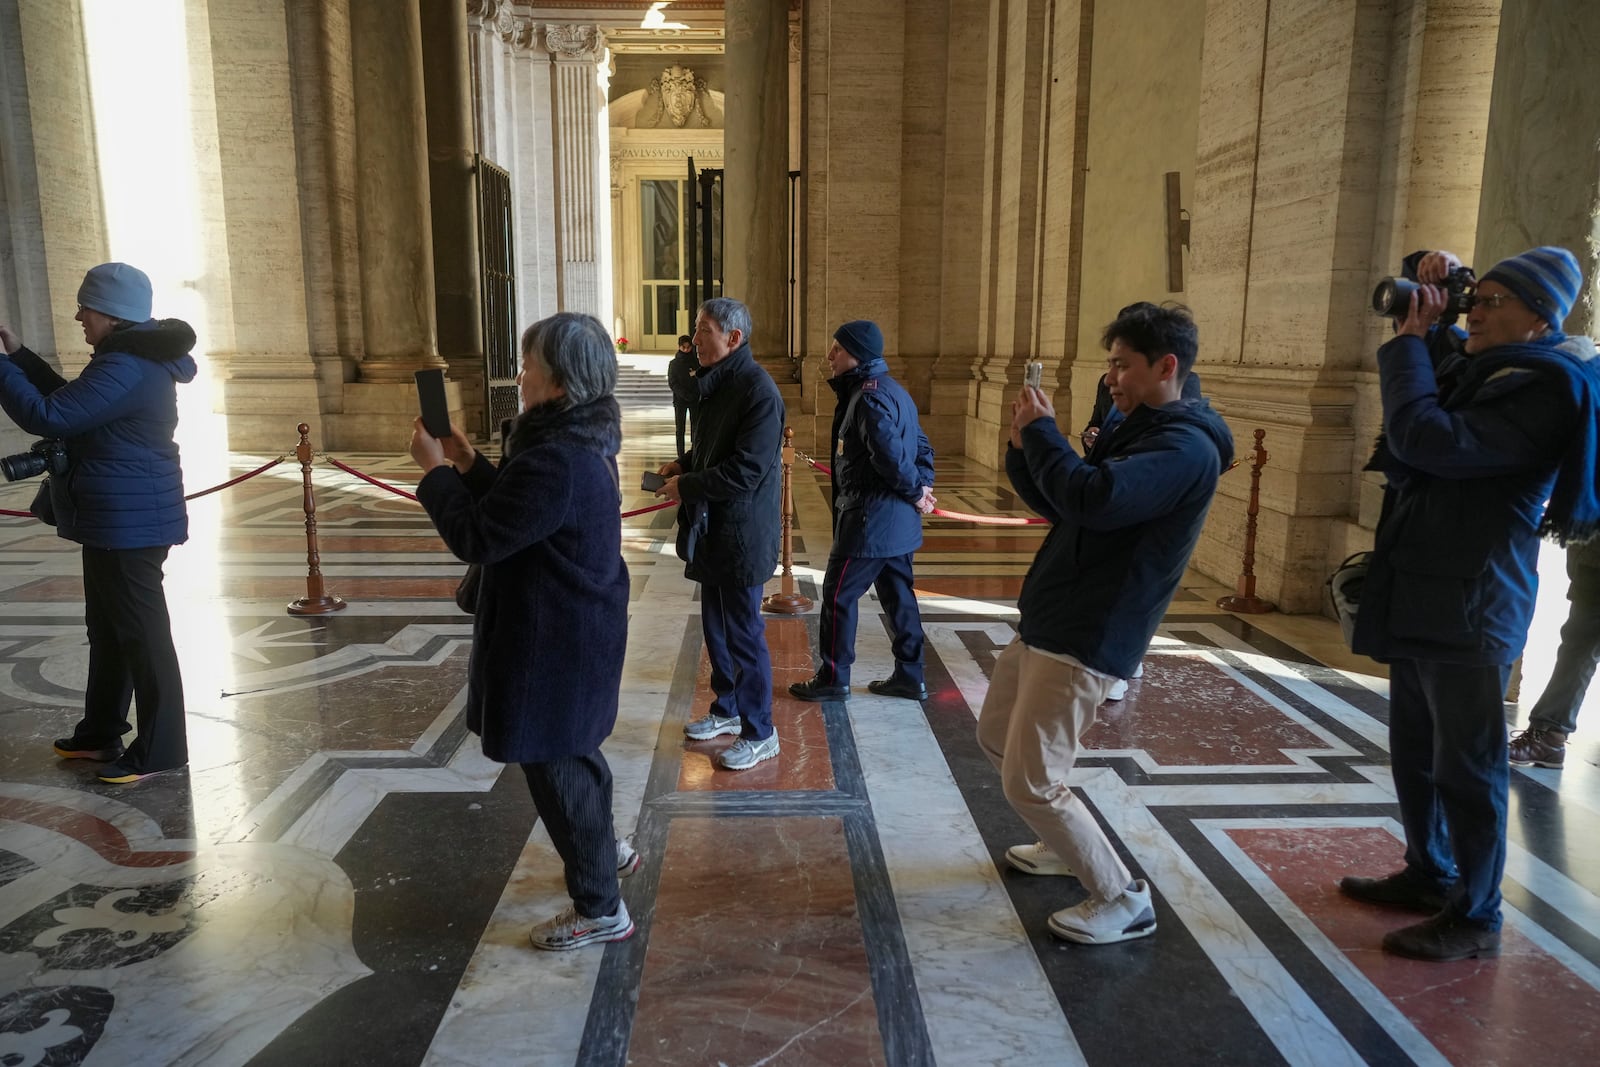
{"points": [[552, 622], [881, 461], [1124, 522], [1472, 448], [124, 486], [732, 482]]}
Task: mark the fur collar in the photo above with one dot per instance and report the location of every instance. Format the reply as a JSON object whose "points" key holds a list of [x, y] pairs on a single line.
{"points": [[594, 427], [158, 340]]}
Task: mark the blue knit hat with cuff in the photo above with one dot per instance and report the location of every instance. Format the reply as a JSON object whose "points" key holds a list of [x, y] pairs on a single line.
{"points": [[862, 339], [118, 290], [1547, 279]]}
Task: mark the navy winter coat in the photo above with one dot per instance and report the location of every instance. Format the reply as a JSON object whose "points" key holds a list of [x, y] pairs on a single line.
{"points": [[1124, 522], [881, 461], [1453, 574], [732, 481], [124, 486], [551, 627]]}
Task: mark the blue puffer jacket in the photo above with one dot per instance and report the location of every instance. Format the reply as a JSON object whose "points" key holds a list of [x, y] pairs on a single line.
{"points": [[1471, 454], [124, 486], [881, 461], [1124, 522]]}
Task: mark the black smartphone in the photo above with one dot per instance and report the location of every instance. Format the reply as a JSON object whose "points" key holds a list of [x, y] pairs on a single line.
{"points": [[435, 408], [651, 481]]}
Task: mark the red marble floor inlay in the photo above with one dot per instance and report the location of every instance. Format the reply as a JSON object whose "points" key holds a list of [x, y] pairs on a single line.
{"points": [[1185, 712], [756, 950], [103, 837], [1525, 1007], [976, 587], [803, 760]]}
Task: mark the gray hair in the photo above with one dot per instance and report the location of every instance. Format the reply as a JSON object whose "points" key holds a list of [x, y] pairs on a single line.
{"points": [[576, 352], [728, 314]]}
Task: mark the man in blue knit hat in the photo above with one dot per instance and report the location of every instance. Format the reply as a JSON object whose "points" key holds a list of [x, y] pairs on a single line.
{"points": [[1473, 446], [882, 486]]}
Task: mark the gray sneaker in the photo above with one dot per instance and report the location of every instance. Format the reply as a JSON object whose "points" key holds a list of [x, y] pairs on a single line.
{"points": [[1102, 922], [628, 858], [1036, 859], [712, 725], [745, 753], [571, 930]]}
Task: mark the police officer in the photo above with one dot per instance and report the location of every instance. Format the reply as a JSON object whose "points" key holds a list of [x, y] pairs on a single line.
{"points": [[882, 486]]}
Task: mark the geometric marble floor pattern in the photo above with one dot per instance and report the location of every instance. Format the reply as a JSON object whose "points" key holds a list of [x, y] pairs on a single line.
{"points": [[341, 877]]}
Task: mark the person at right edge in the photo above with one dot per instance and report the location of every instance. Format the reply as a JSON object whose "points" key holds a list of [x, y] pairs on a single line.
{"points": [[882, 486], [1473, 445], [1123, 523], [1555, 713]]}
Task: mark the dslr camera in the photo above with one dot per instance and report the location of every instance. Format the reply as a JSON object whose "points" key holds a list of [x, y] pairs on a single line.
{"points": [[1392, 297], [47, 456]]}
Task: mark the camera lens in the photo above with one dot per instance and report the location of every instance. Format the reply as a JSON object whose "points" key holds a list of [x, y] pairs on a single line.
{"points": [[22, 465], [1392, 297]]}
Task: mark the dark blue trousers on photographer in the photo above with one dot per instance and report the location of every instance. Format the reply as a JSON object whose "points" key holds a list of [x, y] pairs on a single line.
{"points": [[846, 582], [1447, 747]]}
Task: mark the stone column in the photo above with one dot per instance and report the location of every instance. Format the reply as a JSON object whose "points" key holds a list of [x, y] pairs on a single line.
{"points": [[1540, 166], [453, 199], [755, 198], [582, 167], [398, 309], [269, 379]]}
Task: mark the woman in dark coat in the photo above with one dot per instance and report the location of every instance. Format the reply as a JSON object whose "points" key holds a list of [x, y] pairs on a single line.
{"points": [[551, 624]]}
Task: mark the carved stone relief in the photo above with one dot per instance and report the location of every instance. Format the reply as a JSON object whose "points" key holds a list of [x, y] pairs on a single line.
{"points": [[676, 99]]}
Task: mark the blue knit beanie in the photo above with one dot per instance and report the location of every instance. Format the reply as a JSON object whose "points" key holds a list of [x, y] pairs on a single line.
{"points": [[862, 339], [1547, 279], [118, 290]]}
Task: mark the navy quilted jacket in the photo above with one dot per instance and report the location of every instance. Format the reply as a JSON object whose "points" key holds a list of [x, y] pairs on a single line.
{"points": [[881, 461], [124, 486]]}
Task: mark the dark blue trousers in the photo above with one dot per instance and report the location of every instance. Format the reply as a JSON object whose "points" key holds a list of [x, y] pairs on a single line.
{"points": [[736, 644], [573, 796], [846, 582], [1447, 748], [1576, 657]]}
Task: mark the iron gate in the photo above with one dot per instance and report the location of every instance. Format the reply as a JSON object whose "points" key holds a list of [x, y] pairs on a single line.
{"points": [[497, 267]]}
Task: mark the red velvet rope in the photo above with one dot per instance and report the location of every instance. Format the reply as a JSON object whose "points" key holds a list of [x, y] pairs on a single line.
{"points": [[229, 484], [959, 516], [412, 496]]}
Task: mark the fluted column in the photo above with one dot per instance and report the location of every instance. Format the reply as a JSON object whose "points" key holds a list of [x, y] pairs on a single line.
{"points": [[397, 312], [582, 176], [755, 197]]}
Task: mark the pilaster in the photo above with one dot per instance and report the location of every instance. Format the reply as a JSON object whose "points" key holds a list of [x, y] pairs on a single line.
{"points": [[578, 53]]}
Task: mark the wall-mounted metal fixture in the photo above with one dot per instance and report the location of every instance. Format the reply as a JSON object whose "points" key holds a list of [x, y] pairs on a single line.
{"points": [[1177, 232]]}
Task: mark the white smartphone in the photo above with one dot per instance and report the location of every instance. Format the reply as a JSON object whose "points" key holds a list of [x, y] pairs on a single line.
{"points": [[1033, 375]]}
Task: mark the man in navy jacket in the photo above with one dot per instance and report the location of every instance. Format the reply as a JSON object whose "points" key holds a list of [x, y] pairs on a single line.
{"points": [[1124, 521], [882, 486], [1473, 446]]}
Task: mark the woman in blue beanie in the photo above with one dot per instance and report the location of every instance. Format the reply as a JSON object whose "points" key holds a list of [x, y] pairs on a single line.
{"points": [[120, 496]]}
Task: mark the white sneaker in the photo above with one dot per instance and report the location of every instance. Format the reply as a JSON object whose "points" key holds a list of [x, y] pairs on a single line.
{"points": [[1119, 689], [571, 930], [712, 725], [745, 753], [1138, 672], [628, 858], [1036, 859], [1104, 922]]}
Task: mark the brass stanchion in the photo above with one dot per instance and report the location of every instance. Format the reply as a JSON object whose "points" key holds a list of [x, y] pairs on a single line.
{"points": [[1245, 600], [317, 601], [787, 601]]}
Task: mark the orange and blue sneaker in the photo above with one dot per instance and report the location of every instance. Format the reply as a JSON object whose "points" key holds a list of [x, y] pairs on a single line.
{"points": [[74, 748], [119, 774]]}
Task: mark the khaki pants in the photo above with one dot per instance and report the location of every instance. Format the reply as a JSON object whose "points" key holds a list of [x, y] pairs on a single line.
{"points": [[1031, 728]]}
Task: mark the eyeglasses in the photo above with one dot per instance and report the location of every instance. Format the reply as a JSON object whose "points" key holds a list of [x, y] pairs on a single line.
{"points": [[1494, 301]]}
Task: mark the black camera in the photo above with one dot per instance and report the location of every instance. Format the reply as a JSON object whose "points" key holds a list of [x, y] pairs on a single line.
{"points": [[1392, 297], [48, 456]]}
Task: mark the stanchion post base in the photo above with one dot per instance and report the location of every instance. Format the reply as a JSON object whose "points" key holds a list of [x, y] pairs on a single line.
{"points": [[786, 604], [1245, 605], [322, 605]]}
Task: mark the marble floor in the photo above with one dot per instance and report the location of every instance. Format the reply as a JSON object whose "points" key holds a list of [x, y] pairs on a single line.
{"points": [[340, 877]]}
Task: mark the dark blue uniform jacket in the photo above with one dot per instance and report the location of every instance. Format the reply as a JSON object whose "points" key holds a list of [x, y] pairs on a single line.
{"points": [[881, 461]]}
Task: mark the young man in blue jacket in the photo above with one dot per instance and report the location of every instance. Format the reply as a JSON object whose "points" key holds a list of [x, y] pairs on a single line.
{"points": [[1124, 521], [1473, 446], [882, 486]]}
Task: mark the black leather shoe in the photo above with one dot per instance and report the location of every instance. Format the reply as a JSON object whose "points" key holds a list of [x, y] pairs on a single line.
{"points": [[1442, 939], [1402, 889], [898, 687], [816, 691]]}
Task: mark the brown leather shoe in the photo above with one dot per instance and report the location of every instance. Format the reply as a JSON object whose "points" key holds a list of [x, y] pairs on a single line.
{"points": [[1538, 746], [1402, 889], [1442, 939]]}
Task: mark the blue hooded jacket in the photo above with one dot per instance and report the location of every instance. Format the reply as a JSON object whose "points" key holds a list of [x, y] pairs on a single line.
{"points": [[124, 486], [881, 461], [1124, 522]]}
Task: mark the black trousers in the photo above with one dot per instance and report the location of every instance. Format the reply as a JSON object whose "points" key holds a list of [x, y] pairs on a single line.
{"points": [[573, 795], [131, 658], [1577, 655], [680, 413]]}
